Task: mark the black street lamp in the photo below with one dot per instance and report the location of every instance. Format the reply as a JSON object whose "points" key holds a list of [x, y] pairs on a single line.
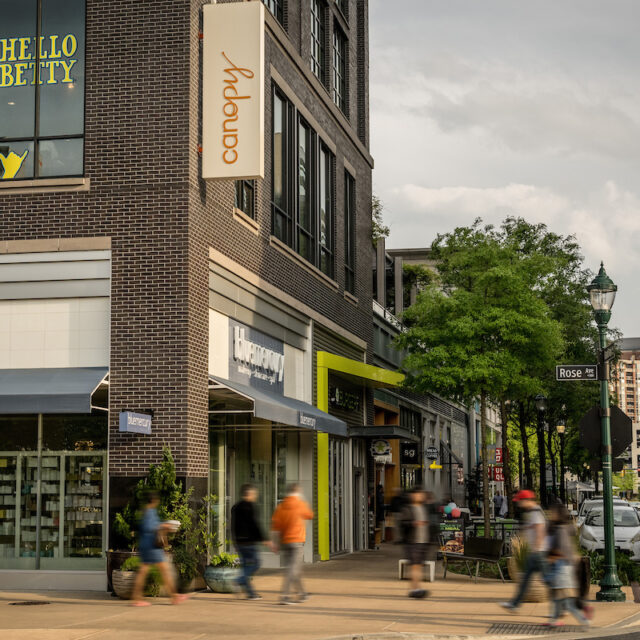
{"points": [[563, 493], [541, 406], [602, 292]]}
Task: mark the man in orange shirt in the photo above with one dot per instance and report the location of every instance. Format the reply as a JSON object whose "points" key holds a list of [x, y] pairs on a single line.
{"points": [[289, 522]]}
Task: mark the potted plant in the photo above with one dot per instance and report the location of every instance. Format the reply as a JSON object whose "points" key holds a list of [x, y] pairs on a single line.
{"points": [[537, 590], [124, 578]]}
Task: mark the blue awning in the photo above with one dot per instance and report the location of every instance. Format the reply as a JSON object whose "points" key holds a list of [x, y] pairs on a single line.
{"points": [[285, 410], [66, 390]]}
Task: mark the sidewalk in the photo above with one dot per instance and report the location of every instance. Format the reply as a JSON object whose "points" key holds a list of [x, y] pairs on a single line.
{"points": [[355, 597]]}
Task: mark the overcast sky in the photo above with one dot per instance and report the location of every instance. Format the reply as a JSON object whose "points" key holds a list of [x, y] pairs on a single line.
{"points": [[495, 107]]}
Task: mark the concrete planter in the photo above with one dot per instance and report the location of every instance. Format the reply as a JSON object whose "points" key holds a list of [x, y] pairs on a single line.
{"points": [[222, 579], [123, 583], [537, 591]]}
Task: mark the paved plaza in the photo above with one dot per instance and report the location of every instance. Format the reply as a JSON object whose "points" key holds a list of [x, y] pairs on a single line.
{"points": [[355, 597]]}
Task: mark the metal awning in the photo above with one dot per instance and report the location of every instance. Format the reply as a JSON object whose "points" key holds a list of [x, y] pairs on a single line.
{"points": [[390, 431], [68, 390], [278, 408]]}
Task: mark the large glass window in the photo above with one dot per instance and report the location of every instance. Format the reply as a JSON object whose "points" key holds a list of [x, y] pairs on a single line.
{"points": [[339, 68], [349, 232], [318, 64], [42, 46], [244, 199], [303, 189], [276, 8]]}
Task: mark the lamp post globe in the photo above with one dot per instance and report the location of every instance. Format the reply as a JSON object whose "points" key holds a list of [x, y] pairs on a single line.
{"points": [[541, 402], [602, 293]]}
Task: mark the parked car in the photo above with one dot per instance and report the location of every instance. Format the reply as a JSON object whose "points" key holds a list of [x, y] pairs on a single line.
{"points": [[626, 530], [596, 503]]}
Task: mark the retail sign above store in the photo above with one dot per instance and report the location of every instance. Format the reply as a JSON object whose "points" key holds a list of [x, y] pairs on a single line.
{"points": [[255, 359], [409, 453], [135, 422], [233, 91]]}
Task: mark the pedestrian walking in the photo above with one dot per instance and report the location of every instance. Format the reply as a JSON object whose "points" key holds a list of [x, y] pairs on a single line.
{"points": [[247, 536], [415, 524], [498, 501], [561, 562], [288, 522], [535, 532], [504, 508], [151, 549]]}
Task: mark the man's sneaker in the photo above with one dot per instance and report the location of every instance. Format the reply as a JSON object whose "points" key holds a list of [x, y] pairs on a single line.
{"points": [[254, 596], [509, 606], [287, 601], [304, 597], [418, 593]]}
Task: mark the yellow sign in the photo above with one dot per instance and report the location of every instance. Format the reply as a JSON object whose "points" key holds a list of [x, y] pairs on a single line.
{"points": [[435, 466], [54, 61], [12, 163]]}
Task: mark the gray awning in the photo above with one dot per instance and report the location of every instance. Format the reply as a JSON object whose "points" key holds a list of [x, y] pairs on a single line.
{"points": [[49, 390], [285, 410], [390, 431]]}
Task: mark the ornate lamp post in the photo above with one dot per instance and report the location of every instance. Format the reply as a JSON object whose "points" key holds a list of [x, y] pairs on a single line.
{"points": [[563, 494], [541, 406], [602, 292]]}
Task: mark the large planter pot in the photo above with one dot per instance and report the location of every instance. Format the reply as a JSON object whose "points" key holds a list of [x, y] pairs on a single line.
{"points": [[537, 590], [114, 561], [123, 583], [221, 579]]}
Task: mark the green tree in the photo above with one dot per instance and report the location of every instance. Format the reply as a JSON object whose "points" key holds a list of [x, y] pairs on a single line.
{"points": [[378, 228], [475, 333]]}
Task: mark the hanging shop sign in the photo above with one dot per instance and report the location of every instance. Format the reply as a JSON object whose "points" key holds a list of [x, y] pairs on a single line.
{"points": [[233, 91], [381, 451], [498, 455], [341, 399], [255, 359], [135, 422], [495, 473], [432, 453], [409, 453]]}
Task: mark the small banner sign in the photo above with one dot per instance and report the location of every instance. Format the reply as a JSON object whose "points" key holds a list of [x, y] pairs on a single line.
{"points": [[135, 422], [432, 453]]}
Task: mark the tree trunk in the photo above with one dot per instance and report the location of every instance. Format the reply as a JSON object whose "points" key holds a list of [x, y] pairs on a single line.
{"points": [[542, 461], [485, 465], [525, 447], [506, 457]]}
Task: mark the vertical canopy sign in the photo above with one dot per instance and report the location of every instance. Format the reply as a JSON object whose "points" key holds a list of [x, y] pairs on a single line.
{"points": [[233, 91]]}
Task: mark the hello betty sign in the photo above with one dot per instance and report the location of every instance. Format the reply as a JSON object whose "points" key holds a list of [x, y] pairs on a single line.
{"points": [[233, 91]]}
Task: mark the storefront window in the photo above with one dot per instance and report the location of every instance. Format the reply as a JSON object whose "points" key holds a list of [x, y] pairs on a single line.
{"points": [[69, 511], [42, 48]]}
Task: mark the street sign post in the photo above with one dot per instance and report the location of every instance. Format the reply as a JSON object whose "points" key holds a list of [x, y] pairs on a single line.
{"points": [[576, 372]]}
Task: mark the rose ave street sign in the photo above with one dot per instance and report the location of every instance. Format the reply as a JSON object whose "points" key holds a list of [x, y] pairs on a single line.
{"points": [[576, 372]]}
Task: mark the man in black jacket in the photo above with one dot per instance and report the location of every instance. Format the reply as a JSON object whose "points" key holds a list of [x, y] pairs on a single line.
{"points": [[247, 535]]}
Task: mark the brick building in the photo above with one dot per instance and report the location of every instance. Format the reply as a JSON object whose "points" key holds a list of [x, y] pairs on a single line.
{"points": [[133, 289]]}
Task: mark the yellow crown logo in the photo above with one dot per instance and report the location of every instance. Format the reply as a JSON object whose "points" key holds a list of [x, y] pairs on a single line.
{"points": [[12, 164]]}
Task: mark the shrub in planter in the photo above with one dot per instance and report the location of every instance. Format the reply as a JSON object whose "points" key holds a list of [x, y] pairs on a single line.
{"points": [[222, 574], [124, 578], [537, 590]]}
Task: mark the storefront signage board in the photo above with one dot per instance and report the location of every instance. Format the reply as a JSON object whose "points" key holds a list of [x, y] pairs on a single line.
{"points": [[233, 91], [131, 422], [409, 453], [255, 359], [306, 420], [432, 453]]}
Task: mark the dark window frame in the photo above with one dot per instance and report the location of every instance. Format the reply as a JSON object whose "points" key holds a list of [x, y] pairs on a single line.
{"points": [[326, 250], [286, 212], [245, 197], [318, 33], [276, 8], [36, 139], [349, 232], [343, 8], [340, 83]]}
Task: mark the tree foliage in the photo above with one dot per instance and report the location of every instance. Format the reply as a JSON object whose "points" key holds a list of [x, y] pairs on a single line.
{"points": [[378, 228]]}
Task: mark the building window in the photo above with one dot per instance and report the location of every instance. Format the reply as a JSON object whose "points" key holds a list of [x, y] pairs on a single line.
{"points": [[245, 200], [318, 65], [275, 6], [281, 170], [339, 68], [42, 89], [343, 7], [349, 232], [303, 187], [325, 212]]}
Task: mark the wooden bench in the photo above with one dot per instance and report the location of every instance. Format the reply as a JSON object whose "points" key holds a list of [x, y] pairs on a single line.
{"points": [[430, 564], [478, 550]]}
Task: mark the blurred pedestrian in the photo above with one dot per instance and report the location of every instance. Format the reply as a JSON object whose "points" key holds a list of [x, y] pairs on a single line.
{"points": [[247, 536], [396, 506], [535, 531], [289, 523], [498, 501], [415, 524], [151, 545], [562, 560]]}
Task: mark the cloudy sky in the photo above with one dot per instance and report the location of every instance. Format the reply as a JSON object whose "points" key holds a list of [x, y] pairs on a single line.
{"points": [[496, 107]]}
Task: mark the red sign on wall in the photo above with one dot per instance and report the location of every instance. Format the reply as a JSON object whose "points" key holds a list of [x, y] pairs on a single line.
{"points": [[498, 455], [498, 474]]}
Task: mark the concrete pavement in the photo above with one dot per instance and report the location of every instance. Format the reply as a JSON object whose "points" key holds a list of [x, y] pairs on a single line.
{"points": [[354, 597]]}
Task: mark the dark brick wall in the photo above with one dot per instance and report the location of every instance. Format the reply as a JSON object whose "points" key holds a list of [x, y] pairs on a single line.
{"points": [[143, 111]]}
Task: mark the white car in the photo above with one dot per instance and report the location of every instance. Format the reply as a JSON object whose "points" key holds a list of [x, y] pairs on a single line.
{"points": [[626, 530], [596, 503]]}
